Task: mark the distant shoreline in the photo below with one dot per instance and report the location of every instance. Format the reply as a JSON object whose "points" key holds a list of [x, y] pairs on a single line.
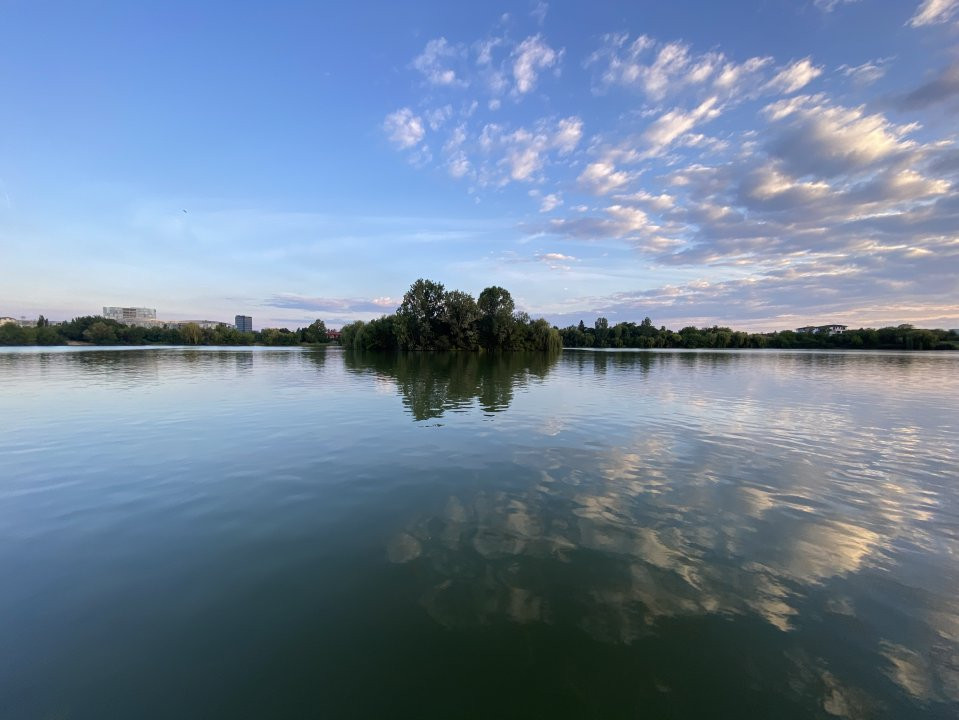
{"points": [[433, 319]]}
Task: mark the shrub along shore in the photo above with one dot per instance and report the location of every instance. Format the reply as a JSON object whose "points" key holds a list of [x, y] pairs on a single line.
{"points": [[95, 330], [646, 335]]}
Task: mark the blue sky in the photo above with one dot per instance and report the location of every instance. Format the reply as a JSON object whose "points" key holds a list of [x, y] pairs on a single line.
{"points": [[761, 164]]}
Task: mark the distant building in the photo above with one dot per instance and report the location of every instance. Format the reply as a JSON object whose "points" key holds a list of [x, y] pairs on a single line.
{"points": [[822, 329], [9, 321], [243, 323], [333, 334], [203, 324], [131, 315]]}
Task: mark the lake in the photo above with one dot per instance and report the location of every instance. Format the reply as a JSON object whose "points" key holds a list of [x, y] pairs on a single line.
{"points": [[305, 533]]}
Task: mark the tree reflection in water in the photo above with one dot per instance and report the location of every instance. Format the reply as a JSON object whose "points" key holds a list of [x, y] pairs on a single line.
{"points": [[435, 383]]}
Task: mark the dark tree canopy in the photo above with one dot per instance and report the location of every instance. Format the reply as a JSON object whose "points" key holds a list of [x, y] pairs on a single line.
{"points": [[432, 318], [646, 335], [316, 332]]}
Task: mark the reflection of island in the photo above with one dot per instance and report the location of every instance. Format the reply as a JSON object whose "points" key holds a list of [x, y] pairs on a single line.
{"points": [[434, 383]]}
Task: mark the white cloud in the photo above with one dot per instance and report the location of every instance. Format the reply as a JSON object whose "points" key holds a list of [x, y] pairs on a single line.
{"points": [[550, 202], [630, 219], [404, 128], [671, 125], [556, 261], [438, 116], [658, 203], [504, 155], [867, 73], [524, 153], [601, 178], [632, 64], [933, 12], [740, 78], [523, 162], [538, 13], [624, 222], [531, 57], [484, 50], [830, 5], [456, 139], [769, 182], [698, 140], [458, 165], [795, 76], [433, 62], [825, 139], [568, 134]]}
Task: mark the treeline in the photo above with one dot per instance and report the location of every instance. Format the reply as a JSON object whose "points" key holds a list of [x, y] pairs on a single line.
{"points": [[646, 335], [101, 331], [432, 318]]}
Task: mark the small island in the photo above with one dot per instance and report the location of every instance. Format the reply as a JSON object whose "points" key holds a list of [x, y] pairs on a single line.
{"points": [[432, 318]]}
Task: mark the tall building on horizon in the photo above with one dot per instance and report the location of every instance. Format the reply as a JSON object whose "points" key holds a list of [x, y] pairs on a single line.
{"points": [[130, 315], [244, 323]]}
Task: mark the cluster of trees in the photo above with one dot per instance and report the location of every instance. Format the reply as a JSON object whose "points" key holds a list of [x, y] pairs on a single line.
{"points": [[646, 335], [433, 318], [101, 331]]}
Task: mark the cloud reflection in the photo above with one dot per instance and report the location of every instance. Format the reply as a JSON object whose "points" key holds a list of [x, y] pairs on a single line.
{"points": [[732, 502]]}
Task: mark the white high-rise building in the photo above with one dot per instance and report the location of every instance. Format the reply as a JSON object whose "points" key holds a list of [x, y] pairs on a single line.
{"points": [[131, 315]]}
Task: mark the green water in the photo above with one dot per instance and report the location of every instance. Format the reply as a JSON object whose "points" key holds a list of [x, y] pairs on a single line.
{"points": [[287, 533]]}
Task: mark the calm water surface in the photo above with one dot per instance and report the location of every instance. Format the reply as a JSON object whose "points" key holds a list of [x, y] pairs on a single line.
{"points": [[288, 533]]}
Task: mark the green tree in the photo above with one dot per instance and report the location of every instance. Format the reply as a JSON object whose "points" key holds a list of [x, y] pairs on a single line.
{"points": [[191, 334], [351, 335], [99, 333], [13, 334], [420, 317], [496, 309], [316, 332], [461, 316], [134, 335], [46, 335], [380, 334], [601, 327], [541, 336], [279, 336]]}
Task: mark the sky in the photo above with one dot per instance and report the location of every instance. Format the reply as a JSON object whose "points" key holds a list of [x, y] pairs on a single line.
{"points": [[761, 164]]}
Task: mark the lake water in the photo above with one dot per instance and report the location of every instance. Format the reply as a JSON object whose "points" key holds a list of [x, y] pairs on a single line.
{"points": [[296, 533]]}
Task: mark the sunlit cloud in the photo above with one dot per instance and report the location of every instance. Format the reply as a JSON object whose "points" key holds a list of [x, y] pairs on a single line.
{"points": [[932, 12]]}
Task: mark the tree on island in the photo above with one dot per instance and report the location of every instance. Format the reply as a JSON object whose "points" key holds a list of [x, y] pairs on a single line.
{"points": [[496, 308], [432, 318], [421, 318]]}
